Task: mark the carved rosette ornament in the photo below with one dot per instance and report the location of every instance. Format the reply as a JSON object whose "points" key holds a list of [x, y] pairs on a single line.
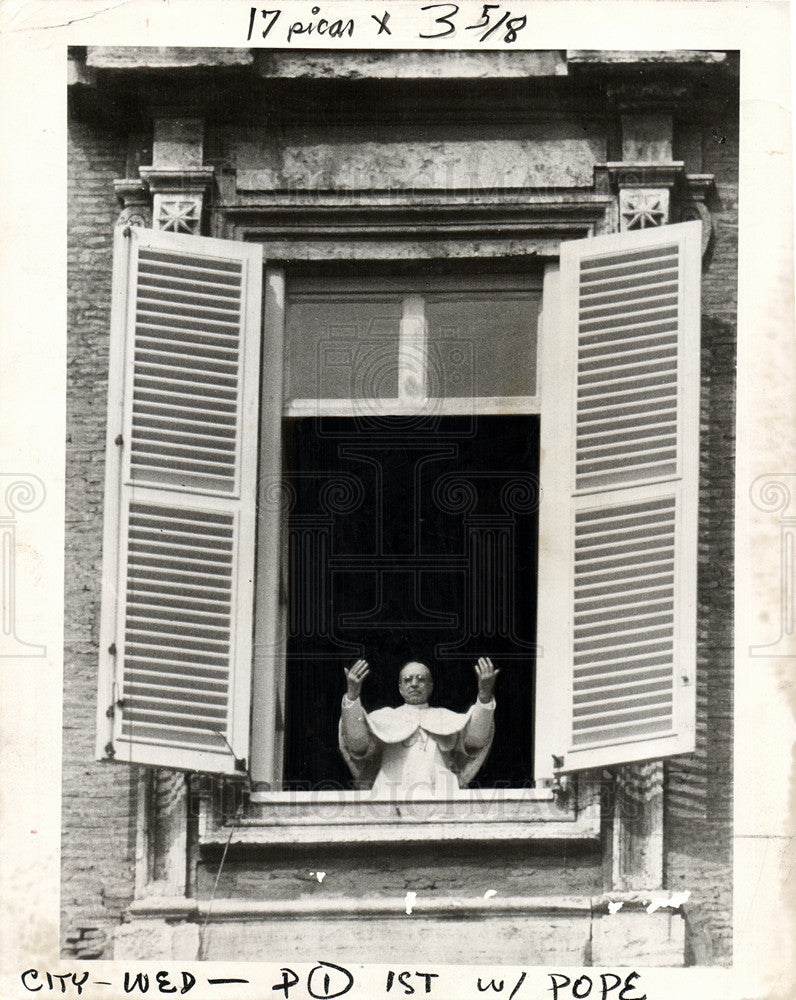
{"points": [[179, 215], [642, 208], [178, 196]]}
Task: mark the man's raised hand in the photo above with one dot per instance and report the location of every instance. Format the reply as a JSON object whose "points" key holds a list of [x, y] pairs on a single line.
{"points": [[487, 675], [354, 677]]}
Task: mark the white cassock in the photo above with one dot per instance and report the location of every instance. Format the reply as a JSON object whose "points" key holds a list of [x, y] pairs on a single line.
{"points": [[419, 750]]}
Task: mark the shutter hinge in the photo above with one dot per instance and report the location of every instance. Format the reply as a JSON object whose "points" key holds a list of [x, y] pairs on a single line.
{"points": [[110, 751], [119, 440], [116, 702], [112, 649], [560, 787], [240, 765], [110, 711], [127, 232]]}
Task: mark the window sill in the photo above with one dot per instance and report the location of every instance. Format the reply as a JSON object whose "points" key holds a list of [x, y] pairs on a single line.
{"points": [[341, 817]]}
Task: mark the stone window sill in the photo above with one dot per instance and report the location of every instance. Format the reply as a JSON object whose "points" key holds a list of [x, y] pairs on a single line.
{"points": [[342, 817]]}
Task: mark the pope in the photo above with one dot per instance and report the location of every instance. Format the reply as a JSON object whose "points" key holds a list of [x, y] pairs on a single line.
{"points": [[416, 749]]}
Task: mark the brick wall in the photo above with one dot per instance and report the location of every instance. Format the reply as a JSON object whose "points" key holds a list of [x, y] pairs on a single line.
{"points": [[435, 871], [698, 831], [98, 845]]}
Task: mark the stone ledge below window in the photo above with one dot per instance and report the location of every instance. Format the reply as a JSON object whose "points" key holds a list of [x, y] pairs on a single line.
{"points": [[572, 930]]}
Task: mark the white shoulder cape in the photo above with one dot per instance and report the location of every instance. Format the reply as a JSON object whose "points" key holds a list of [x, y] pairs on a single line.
{"points": [[394, 725]]}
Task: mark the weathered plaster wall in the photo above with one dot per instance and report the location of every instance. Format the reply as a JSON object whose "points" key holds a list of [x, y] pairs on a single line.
{"points": [[98, 841], [553, 154]]}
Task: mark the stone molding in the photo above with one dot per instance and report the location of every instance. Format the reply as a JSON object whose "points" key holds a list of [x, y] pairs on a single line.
{"points": [[476, 907], [572, 929], [644, 190], [662, 191]]}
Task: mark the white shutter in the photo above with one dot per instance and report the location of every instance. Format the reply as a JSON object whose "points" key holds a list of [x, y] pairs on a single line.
{"points": [[618, 520], [181, 468]]}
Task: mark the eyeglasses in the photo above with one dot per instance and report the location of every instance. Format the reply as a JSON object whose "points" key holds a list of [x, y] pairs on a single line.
{"points": [[420, 678]]}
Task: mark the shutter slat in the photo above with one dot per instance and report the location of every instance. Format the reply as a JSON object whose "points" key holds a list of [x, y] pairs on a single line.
{"points": [[613, 295], [161, 666], [163, 289], [632, 674], [632, 665], [158, 333], [203, 328], [183, 428], [620, 334], [169, 362]]}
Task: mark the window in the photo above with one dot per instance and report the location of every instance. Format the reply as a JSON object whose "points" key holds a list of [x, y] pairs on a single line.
{"points": [[616, 395], [413, 502], [415, 345]]}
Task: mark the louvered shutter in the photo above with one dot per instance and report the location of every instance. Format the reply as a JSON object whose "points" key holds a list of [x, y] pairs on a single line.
{"points": [[176, 644], [618, 521]]}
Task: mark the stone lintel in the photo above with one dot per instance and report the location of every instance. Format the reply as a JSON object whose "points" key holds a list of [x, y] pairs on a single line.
{"points": [[122, 57], [631, 57], [407, 65]]}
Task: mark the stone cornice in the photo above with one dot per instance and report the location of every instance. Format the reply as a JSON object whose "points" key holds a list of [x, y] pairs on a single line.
{"points": [[356, 908], [177, 179], [624, 174], [520, 221], [645, 57]]}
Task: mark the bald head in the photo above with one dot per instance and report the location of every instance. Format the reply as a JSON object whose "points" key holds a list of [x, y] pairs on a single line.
{"points": [[414, 683]]}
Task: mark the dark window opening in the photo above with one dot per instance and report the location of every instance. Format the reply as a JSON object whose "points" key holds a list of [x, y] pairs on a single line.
{"points": [[410, 538]]}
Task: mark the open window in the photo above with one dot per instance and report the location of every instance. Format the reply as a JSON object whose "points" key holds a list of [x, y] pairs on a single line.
{"points": [[203, 623]]}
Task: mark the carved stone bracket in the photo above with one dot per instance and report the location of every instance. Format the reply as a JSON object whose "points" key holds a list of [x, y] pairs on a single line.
{"points": [[638, 827], [134, 200], [654, 194], [699, 188], [178, 196]]}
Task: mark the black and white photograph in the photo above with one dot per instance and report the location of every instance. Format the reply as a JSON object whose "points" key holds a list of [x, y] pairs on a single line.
{"points": [[410, 509]]}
